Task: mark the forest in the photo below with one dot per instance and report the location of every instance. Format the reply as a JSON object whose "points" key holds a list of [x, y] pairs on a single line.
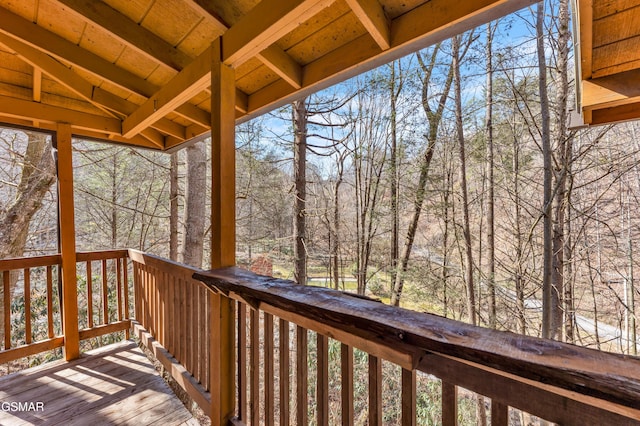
{"points": [[455, 181]]}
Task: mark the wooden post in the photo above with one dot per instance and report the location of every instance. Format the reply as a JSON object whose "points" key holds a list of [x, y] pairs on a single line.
{"points": [[223, 238], [67, 243]]}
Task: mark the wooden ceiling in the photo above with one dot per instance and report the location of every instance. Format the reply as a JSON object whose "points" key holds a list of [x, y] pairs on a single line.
{"points": [[138, 71], [609, 49]]}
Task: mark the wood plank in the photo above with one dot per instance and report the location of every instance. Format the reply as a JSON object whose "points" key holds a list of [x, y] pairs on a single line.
{"points": [[604, 8], [67, 242], [346, 384], [27, 305], [103, 329], [269, 377], [449, 404], [109, 387], [375, 391], [302, 380], [499, 414], [105, 293], [611, 377], [322, 380], [616, 27], [548, 402], [50, 313], [128, 32], [31, 349], [409, 396], [6, 301], [585, 22], [285, 368], [193, 79], [254, 368], [29, 262], [177, 371], [261, 27], [372, 16], [242, 362], [89, 295]]}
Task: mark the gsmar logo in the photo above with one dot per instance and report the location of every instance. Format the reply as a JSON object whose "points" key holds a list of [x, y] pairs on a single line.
{"points": [[22, 406]]}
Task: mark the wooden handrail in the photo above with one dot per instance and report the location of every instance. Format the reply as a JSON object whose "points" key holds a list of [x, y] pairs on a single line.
{"points": [[582, 379], [23, 269]]}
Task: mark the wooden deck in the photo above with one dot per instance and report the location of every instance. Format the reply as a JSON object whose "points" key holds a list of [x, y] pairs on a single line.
{"points": [[113, 385]]}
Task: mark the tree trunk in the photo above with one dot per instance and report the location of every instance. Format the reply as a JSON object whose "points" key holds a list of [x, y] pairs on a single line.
{"points": [[466, 225], [491, 252], [195, 205], [549, 296], [394, 93], [38, 174], [434, 119], [173, 207], [300, 182]]}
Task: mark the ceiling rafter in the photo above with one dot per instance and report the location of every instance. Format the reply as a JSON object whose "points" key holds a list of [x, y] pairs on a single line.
{"points": [[374, 20], [273, 57], [277, 18], [100, 98], [184, 86], [84, 124], [128, 32], [37, 84], [267, 22], [56, 46]]}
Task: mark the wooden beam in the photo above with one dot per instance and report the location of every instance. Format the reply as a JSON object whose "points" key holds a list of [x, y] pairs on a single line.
{"points": [[265, 24], [425, 25], [66, 217], [223, 239], [184, 86], [273, 57], [108, 102], [585, 21], [128, 32], [614, 90], [613, 114], [374, 20], [282, 64]]}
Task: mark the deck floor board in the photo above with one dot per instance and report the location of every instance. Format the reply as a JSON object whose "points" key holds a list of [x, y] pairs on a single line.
{"points": [[116, 384]]}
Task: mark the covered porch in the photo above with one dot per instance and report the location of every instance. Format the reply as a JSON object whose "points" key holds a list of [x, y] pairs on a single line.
{"points": [[237, 343]]}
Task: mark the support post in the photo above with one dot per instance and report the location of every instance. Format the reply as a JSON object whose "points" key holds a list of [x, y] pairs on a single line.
{"points": [[223, 238], [67, 243]]}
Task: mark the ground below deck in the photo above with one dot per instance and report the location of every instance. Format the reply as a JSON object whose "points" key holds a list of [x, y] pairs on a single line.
{"points": [[114, 385]]}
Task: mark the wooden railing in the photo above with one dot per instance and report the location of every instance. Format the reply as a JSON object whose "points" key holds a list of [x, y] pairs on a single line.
{"points": [[556, 382], [172, 312], [32, 319], [312, 355]]}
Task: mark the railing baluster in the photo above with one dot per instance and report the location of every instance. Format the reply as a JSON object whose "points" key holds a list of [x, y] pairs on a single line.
{"points": [[301, 376], [27, 305], [6, 279], [346, 371], [242, 362], [105, 293], [254, 367], [268, 370], [285, 383], [499, 414], [449, 404], [408, 397], [89, 295], [322, 380], [119, 286], [50, 333], [375, 390]]}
